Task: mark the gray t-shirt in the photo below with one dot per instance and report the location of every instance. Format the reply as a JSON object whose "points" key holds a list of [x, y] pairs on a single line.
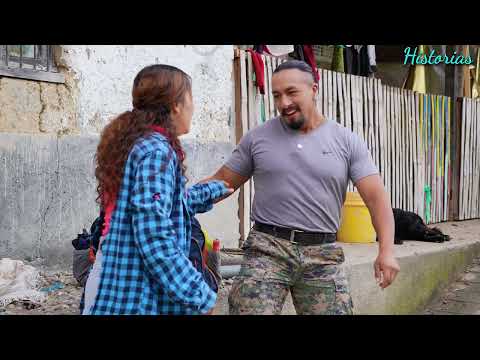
{"points": [[300, 180]]}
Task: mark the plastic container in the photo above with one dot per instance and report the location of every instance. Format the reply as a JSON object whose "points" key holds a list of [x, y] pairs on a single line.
{"points": [[208, 240], [356, 225], [213, 259]]}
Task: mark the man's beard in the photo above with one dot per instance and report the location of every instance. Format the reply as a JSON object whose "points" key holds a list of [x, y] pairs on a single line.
{"points": [[296, 124]]}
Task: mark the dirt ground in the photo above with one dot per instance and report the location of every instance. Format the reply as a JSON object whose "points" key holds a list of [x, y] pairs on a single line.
{"points": [[65, 301], [62, 301]]}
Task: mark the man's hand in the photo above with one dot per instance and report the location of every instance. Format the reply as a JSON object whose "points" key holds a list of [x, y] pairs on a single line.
{"points": [[386, 268], [373, 193]]}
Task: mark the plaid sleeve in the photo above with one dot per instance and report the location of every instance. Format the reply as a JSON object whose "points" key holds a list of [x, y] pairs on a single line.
{"points": [[156, 237], [200, 197]]}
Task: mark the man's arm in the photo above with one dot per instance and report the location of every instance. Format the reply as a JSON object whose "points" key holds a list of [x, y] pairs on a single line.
{"points": [[373, 193], [231, 178], [239, 167]]}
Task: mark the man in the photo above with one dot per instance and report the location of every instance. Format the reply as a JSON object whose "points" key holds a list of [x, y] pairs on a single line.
{"points": [[301, 163]]}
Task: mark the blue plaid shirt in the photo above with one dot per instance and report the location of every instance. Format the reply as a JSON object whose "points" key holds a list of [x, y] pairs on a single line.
{"points": [[145, 267]]}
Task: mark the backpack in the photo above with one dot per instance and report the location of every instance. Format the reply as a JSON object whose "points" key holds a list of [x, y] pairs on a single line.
{"points": [[206, 262], [85, 247]]}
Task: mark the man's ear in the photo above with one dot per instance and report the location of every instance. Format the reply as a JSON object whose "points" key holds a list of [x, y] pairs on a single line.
{"points": [[315, 89]]}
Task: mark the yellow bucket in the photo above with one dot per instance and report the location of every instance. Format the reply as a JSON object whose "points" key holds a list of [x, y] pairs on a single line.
{"points": [[356, 225]]}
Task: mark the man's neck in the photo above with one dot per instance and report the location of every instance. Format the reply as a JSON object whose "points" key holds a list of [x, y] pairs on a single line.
{"points": [[316, 120]]}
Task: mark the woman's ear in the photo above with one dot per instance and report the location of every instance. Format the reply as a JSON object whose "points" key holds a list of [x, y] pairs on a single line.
{"points": [[175, 110]]}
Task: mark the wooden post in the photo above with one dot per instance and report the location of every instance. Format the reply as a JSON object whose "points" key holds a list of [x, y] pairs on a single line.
{"points": [[454, 89], [238, 134], [241, 127]]}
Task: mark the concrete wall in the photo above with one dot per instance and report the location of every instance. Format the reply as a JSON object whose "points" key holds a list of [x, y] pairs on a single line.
{"points": [[104, 77], [49, 133], [48, 194]]}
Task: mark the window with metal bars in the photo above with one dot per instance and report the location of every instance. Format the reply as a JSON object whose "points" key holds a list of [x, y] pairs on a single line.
{"points": [[32, 62]]}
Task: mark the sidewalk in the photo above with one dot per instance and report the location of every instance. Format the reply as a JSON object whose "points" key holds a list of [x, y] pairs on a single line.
{"points": [[460, 298]]}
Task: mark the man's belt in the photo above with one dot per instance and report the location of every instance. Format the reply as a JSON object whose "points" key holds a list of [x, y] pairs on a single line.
{"points": [[296, 236]]}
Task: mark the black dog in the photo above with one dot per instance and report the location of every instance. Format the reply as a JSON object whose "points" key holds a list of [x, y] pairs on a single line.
{"points": [[410, 226]]}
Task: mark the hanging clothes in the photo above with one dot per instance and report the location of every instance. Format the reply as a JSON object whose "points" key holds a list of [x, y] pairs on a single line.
{"points": [[260, 49], [357, 60], [305, 53], [279, 50], [350, 59], [259, 69], [427, 79], [416, 79], [372, 58], [363, 61], [310, 60], [298, 52], [338, 64]]}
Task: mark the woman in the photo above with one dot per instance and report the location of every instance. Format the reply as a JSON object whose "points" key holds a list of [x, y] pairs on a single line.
{"points": [[142, 265]]}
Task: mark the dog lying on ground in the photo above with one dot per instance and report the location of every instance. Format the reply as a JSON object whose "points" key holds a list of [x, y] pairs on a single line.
{"points": [[410, 226]]}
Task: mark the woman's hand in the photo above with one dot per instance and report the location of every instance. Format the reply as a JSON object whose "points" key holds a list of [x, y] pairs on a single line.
{"points": [[230, 191]]}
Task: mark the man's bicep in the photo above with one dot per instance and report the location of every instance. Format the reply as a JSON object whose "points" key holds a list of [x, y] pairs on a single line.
{"points": [[361, 161], [234, 179], [370, 186], [241, 161]]}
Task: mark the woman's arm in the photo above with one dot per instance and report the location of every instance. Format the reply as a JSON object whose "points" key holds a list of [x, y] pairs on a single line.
{"points": [[202, 196]]}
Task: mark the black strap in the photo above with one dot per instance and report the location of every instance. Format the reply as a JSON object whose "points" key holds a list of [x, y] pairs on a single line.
{"points": [[295, 236]]}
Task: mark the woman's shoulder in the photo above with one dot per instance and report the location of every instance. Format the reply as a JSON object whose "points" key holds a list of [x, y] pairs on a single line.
{"points": [[151, 145]]}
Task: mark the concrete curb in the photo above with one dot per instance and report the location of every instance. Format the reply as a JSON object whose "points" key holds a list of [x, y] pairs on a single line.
{"points": [[423, 275], [426, 269]]}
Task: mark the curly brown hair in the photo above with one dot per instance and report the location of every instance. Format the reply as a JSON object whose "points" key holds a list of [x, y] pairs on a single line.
{"points": [[155, 89]]}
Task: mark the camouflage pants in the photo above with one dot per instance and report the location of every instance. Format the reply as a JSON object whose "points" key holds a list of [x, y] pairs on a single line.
{"points": [[273, 266]]}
